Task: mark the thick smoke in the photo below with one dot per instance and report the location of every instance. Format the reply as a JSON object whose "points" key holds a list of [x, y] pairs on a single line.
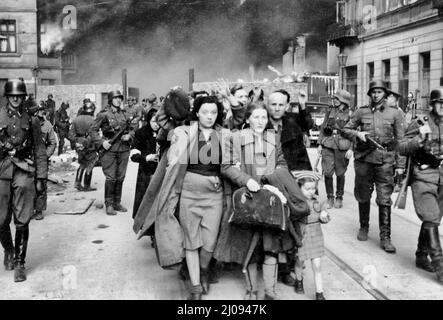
{"points": [[157, 44]]}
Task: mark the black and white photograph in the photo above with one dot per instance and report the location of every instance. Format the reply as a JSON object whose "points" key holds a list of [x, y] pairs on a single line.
{"points": [[221, 150]]}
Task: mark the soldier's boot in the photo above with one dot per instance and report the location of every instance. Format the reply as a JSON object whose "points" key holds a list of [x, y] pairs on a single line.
{"points": [[340, 192], [8, 246], [109, 197], [78, 179], [87, 182], [21, 246], [118, 197], [421, 255], [363, 211], [251, 283], [270, 281], [329, 184], [433, 237], [384, 221]]}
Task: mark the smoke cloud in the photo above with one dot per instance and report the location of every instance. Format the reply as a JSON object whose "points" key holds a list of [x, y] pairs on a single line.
{"points": [[158, 43]]}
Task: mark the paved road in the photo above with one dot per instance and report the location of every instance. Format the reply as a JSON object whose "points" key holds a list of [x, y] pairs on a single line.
{"points": [[94, 256]]}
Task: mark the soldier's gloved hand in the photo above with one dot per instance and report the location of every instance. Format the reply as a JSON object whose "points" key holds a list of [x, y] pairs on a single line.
{"points": [[362, 135], [39, 185], [349, 154], [126, 137], [106, 145]]}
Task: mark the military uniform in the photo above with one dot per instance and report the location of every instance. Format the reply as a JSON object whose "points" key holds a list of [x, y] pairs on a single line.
{"points": [[22, 159], [62, 126], [374, 166], [50, 142], [115, 160], [50, 110], [427, 186], [87, 157], [334, 148]]}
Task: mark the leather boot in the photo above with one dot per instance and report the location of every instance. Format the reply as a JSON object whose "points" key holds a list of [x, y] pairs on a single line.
{"points": [[78, 179], [421, 255], [284, 274], [384, 221], [196, 293], [329, 184], [433, 237], [340, 192], [21, 245], [204, 279], [87, 182], [118, 197], [8, 246], [109, 198], [363, 211], [270, 281]]}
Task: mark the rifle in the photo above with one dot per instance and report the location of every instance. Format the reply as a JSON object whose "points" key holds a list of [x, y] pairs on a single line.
{"points": [[400, 202], [116, 136]]}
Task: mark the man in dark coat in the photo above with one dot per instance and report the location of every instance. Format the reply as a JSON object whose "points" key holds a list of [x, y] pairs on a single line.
{"points": [[62, 125], [114, 159], [23, 167], [50, 103]]}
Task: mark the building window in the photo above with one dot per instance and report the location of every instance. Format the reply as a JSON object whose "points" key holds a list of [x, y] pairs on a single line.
{"points": [[8, 36], [351, 83], [387, 70], [370, 70], [403, 81], [48, 82], [425, 77]]}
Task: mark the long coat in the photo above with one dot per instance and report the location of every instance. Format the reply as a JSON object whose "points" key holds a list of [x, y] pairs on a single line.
{"points": [[233, 242], [163, 210]]}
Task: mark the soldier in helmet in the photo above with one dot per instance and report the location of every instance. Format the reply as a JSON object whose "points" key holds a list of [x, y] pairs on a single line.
{"points": [[87, 154], [62, 125], [424, 145], [115, 157], [50, 141], [334, 148], [50, 112], [24, 167], [375, 159]]}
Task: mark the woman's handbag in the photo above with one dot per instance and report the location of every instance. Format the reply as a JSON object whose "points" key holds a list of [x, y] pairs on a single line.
{"points": [[258, 209]]}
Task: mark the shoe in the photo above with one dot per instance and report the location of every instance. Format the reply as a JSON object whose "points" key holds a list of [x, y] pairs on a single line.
{"points": [[338, 203], [319, 296], [110, 211], [287, 279], [250, 295], [196, 293], [330, 203], [298, 286], [422, 262], [120, 208], [386, 245], [362, 234], [38, 215], [19, 272], [8, 261]]}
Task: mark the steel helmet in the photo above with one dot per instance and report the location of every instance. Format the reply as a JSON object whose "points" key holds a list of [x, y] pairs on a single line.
{"points": [[343, 96], [437, 95], [378, 84], [15, 88], [395, 93], [114, 94]]}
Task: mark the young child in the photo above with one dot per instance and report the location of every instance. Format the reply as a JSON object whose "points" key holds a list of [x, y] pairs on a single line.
{"points": [[313, 244]]}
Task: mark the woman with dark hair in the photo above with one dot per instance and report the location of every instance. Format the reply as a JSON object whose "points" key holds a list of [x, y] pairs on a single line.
{"points": [[198, 147], [251, 154], [147, 157]]}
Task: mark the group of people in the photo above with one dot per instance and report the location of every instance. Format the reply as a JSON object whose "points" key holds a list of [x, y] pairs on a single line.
{"points": [[195, 151]]}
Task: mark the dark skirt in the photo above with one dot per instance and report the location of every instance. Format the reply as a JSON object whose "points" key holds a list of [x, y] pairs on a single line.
{"points": [[143, 180]]}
